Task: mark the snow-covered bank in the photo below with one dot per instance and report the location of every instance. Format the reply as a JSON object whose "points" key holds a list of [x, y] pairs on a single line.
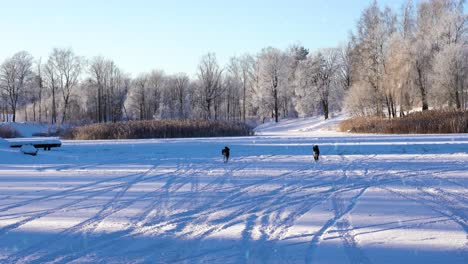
{"points": [[370, 199], [309, 126], [29, 129]]}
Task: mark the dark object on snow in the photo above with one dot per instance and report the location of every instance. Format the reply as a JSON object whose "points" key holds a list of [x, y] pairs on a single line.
{"points": [[316, 151], [225, 153], [46, 144]]}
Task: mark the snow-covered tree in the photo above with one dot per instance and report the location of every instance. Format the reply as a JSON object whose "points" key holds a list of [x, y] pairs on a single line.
{"points": [[241, 70], [373, 31], [15, 73], [210, 84], [450, 76], [320, 88], [273, 80], [64, 71], [175, 97]]}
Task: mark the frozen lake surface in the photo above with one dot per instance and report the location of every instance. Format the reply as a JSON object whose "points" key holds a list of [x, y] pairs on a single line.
{"points": [[370, 199]]}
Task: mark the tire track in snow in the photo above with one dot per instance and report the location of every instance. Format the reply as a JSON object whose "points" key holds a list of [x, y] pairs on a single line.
{"points": [[99, 243], [247, 238], [68, 192], [352, 249], [103, 243], [439, 200], [194, 216], [271, 228], [268, 229], [105, 212], [257, 209], [195, 211], [339, 214], [330, 223], [440, 208], [198, 215], [113, 206], [46, 212]]}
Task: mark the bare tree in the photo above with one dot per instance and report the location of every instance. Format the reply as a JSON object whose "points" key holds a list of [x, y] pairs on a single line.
{"points": [[181, 85], [439, 23], [39, 83], [138, 95], [273, 79], [328, 62], [346, 65], [15, 72], [52, 84], [209, 77], [319, 81], [66, 67], [369, 59], [119, 87], [108, 87], [450, 74], [156, 82], [98, 68]]}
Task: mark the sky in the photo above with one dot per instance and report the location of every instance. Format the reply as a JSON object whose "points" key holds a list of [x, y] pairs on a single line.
{"points": [[173, 35]]}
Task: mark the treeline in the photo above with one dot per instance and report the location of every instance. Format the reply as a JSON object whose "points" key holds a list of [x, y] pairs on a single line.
{"points": [[271, 84], [393, 63]]}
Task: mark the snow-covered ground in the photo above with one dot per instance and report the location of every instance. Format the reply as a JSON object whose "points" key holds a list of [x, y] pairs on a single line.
{"points": [[27, 129], [30, 129], [370, 199]]}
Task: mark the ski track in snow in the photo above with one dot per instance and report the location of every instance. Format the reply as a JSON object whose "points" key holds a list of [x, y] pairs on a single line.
{"points": [[270, 204]]}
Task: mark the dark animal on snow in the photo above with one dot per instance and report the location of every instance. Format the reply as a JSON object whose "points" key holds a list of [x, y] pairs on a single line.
{"points": [[225, 153], [316, 151]]}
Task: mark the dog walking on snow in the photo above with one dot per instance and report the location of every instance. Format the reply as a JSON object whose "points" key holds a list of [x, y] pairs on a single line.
{"points": [[316, 151], [225, 153]]}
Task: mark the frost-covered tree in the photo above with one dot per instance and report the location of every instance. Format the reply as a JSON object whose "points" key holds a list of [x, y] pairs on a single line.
{"points": [[346, 65], [450, 76], [395, 59], [137, 97], [51, 80], [15, 73], [38, 90], [273, 80], [98, 68], [307, 79], [397, 74], [439, 23], [156, 82], [297, 54], [175, 97], [107, 88], [241, 71], [373, 31], [319, 86], [64, 71], [210, 84], [328, 86]]}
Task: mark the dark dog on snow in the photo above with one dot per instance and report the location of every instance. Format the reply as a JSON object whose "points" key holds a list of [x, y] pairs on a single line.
{"points": [[225, 153], [316, 151]]}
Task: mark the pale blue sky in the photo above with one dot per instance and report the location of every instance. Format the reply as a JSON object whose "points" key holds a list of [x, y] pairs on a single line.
{"points": [[142, 35]]}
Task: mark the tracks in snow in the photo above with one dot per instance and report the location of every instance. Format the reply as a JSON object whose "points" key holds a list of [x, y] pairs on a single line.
{"points": [[195, 202]]}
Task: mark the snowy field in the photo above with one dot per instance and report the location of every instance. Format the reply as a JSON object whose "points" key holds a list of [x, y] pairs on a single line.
{"points": [[370, 199]]}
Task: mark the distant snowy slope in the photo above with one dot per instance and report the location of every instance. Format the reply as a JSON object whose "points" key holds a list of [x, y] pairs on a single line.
{"points": [[302, 126]]}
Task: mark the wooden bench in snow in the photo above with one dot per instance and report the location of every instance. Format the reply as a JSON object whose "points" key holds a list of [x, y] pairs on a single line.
{"points": [[46, 144]]}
